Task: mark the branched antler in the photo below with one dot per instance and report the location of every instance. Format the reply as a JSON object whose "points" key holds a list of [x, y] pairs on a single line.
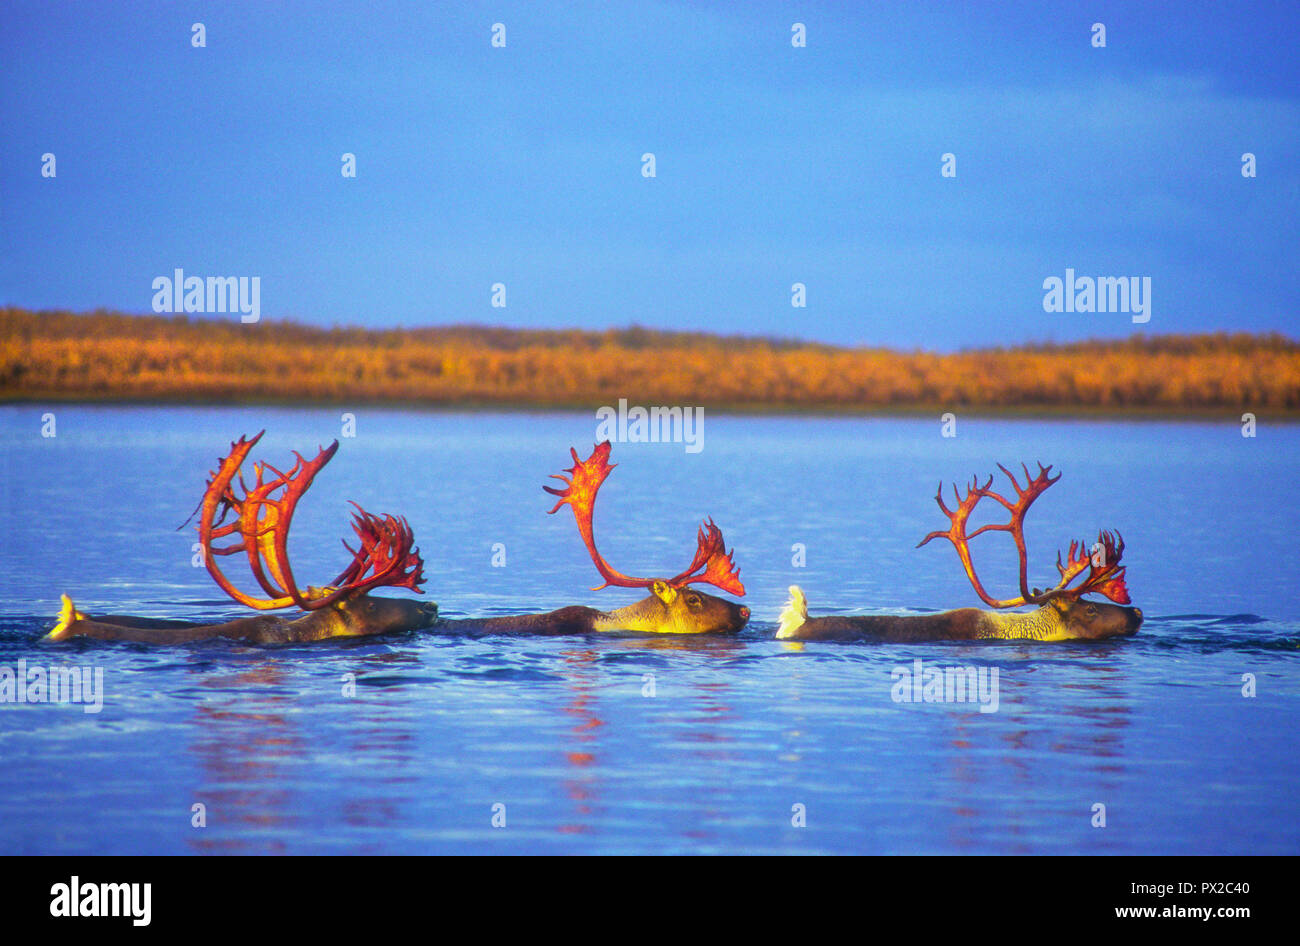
{"points": [[262, 516], [713, 563], [1105, 575]]}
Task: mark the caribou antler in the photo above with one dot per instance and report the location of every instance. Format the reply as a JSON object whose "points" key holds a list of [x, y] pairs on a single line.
{"points": [[385, 555], [711, 556], [1105, 575]]}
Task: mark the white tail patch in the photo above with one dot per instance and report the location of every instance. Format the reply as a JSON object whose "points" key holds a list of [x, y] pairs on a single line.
{"points": [[68, 614], [794, 615]]}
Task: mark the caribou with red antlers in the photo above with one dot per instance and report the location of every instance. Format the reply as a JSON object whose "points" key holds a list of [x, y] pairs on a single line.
{"points": [[257, 519], [1062, 613], [672, 607]]}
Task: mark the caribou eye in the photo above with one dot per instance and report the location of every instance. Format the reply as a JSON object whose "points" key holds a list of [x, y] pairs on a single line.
{"points": [[1092, 610]]}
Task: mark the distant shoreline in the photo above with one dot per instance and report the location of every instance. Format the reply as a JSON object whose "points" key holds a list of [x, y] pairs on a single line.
{"points": [[1203, 415], [111, 358]]}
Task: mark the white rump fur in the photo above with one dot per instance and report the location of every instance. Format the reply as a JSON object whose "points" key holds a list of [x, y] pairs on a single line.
{"points": [[794, 615]]}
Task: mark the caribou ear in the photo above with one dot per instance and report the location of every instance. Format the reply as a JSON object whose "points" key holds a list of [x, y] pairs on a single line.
{"points": [[1061, 604], [664, 592]]}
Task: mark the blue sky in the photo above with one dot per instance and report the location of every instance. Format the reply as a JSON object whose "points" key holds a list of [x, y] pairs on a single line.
{"points": [[775, 165]]}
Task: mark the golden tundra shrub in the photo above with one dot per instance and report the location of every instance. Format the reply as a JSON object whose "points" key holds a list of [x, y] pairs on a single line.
{"points": [[105, 355]]}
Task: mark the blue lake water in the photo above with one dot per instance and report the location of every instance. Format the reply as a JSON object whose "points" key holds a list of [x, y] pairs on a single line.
{"points": [[740, 730]]}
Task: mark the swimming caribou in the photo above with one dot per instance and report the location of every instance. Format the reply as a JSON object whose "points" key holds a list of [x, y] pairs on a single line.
{"points": [[672, 607], [385, 557], [1062, 613]]}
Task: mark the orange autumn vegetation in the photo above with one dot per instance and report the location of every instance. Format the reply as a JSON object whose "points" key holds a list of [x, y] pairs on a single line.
{"points": [[108, 356]]}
